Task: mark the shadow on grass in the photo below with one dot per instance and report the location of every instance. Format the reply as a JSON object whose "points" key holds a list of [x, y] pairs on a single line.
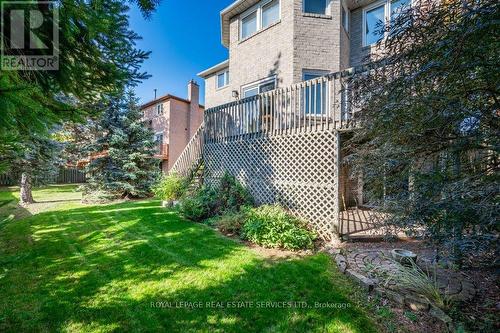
{"points": [[9, 208], [107, 267]]}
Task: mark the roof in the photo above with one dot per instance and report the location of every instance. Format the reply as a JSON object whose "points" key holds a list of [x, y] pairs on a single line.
{"points": [[226, 14], [164, 99], [214, 69]]}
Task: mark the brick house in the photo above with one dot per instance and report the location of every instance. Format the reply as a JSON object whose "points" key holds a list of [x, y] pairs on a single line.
{"points": [[276, 43], [174, 121], [279, 112]]}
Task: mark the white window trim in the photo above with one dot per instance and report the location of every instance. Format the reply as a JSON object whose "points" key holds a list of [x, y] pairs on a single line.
{"points": [[159, 109], [226, 79], [258, 83], [319, 72], [328, 8], [257, 9], [387, 17], [327, 98]]}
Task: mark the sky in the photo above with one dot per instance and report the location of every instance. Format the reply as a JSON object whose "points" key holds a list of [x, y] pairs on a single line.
{"points": [[184, 38]]}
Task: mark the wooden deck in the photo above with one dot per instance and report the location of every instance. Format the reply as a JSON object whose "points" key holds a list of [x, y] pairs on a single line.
{"points": [[362, 221]]}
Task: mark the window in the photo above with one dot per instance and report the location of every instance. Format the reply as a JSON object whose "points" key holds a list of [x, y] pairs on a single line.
{"points": [[270, 13], [397, 6], [259, 17], [222, 79], [159, 109], [249, 25], [314, 97], [159, 138], [259, 87], [379, 14], [315, 6], [345, 17]]}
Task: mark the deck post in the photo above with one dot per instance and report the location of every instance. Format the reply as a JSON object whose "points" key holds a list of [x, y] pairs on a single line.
{"points": [[336, 174]]}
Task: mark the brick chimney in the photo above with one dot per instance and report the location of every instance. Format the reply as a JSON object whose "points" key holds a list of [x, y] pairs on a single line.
{"points": [[195, 115]]}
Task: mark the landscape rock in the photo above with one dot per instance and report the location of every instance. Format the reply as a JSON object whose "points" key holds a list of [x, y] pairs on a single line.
{"points": [[361, 279], [417, 303]]}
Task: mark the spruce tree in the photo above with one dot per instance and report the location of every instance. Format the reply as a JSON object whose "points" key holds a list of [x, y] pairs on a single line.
{"points": [[122, 163]]}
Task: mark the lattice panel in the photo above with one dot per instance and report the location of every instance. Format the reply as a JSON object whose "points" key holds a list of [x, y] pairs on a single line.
{"points": [[298, 171]]}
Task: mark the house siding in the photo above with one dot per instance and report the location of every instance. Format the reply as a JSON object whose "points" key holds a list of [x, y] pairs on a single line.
{"points": [[316, 40], [268, 52]]}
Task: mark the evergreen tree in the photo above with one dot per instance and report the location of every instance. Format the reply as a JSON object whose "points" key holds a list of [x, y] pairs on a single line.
{"points": [[428, 145], [123, 165], [98, 55]]}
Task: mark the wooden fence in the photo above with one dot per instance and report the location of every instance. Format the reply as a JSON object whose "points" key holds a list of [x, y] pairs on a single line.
{"points": [[65, 176]]}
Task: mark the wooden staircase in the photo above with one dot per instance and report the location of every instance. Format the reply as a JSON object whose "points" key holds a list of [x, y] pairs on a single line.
{"points": [[190, 163]]}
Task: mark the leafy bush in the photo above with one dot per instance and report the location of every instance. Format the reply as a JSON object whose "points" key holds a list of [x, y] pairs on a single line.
{"points": [[232, 195], [208, 202], [201, 205], [170, 187], [231, 223], [272, 226]]}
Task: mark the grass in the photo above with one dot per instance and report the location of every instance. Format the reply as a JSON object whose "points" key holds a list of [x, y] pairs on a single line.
{"points": [[136, 267]]}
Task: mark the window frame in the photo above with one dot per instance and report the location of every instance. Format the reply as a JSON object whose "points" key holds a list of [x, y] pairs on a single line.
{"points": [[327, 8], [387, 18], [159, 109], [258, 83], [226, 79], [318, 73], [257, 8], [157, 135]]}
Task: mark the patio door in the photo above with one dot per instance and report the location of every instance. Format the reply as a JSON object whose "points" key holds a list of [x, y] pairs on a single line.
{"points": [[262, 109]]}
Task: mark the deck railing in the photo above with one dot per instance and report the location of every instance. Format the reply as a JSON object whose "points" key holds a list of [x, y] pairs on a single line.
{"points": [[319, 104], [191, 156]]}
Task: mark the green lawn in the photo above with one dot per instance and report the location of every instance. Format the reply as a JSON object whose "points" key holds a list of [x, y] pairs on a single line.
{"points": [[130, 267]]}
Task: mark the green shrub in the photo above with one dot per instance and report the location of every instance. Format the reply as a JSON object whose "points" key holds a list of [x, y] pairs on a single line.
{"points": [[232, 195], [272, 226], [208, 202], [231, 223], [170, 187], [201, 205]]}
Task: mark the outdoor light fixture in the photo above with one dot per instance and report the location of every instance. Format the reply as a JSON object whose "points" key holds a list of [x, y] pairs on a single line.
{"points": [[236, 94]]}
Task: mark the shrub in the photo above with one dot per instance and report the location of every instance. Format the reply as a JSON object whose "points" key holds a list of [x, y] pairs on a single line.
{"points": [[272, 226], [231, 223], [232, 195], [170, 187], [208, 202], [200, 206]]}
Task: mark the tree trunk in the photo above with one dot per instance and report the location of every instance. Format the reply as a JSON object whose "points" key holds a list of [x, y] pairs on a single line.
{"points": [[26, 194]]}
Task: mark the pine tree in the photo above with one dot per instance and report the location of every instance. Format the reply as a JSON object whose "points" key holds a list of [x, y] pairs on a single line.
{"points": [[123, 165]]}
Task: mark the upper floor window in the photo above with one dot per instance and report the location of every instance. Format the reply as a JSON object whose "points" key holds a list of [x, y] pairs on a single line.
{"points": [[222, 79], [345, 17], [159, 138], [259, 17], [378, 15], [159, 109], [315, 6]]}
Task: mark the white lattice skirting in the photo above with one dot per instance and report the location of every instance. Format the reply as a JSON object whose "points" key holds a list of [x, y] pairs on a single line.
{"points": [[298, 171]]}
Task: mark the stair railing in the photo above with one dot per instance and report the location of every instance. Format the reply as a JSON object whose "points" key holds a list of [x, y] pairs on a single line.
{"points": [[189, 160]]}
